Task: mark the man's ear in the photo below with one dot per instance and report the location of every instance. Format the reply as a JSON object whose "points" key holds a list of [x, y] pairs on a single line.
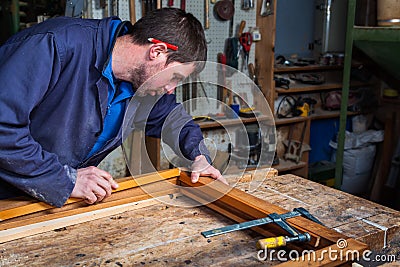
{"points": [[157, 50]]}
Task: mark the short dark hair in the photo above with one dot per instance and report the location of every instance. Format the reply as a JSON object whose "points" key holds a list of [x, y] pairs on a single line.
{"points": [[174, 26]]}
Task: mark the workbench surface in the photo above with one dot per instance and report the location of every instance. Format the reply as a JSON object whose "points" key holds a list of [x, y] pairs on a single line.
{"points": [[165, 235]]}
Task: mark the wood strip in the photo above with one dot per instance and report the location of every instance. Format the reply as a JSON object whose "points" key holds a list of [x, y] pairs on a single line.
{"points": [[41, 227], [131, 183], [119, 198], [256, 208]]}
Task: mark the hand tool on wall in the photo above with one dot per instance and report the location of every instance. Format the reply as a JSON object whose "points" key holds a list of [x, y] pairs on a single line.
{"points": [[206, 14], [170, 3], [247, 4], [149, 5], [278, 219], [221, 78], [232, 49], [183, 4], [246, 39], [253, 74], [241, 28], [266, 8], [224, 9], [159, 4], [231, 22]]}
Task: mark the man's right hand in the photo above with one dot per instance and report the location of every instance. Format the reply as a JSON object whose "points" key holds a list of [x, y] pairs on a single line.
{"points": [[93, 185]]}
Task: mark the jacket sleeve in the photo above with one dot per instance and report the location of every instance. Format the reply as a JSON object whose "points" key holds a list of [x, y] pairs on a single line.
{"points": [[29, 67], [170, 121]]}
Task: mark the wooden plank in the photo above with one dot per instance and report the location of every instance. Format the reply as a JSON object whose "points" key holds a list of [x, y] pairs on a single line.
{"points": [[131, 183], [45, 226], [157, 235], [123, 197]]}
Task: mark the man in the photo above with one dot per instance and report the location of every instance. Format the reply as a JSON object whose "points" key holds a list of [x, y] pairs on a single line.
{"points": [[65, 85]]}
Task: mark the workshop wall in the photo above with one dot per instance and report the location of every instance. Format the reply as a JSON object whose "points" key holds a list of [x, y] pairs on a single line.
{"points": [[294, 27], [216, 36]]}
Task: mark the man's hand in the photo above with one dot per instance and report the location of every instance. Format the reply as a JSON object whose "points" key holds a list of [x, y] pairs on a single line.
{"points": [[93, 185], [201, 166]]}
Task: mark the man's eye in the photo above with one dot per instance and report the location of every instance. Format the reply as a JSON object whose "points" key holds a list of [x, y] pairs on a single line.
{"points": [[176, 79]]}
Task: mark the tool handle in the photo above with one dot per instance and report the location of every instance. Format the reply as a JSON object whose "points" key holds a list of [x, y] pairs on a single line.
{"points": [[170, 2], [241, 27], [183, 4], [271, 242], [207, 16]]}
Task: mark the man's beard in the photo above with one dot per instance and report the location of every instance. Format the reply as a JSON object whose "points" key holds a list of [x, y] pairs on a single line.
{"points": [[140, 75]]}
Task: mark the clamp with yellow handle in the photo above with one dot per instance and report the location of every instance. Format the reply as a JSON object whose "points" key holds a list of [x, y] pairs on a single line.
{"points": [[280, 241], [278, 219]]}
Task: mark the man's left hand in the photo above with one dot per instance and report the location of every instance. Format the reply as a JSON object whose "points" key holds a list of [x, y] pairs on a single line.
{"points": [[200, 166]]}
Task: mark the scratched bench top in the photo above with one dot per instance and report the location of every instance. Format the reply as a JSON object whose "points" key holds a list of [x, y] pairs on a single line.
{"points": [[166, 235]]}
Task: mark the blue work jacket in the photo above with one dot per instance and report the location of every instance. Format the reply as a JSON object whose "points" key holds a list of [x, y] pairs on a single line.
{"points": [[53, 101]]}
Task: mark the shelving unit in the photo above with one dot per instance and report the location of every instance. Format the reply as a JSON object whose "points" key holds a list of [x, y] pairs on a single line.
{"points": [[382, 45], [333, 74]]}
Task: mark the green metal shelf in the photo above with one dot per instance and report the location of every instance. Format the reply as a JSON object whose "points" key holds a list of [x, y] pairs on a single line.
{"points": [[376, 34], [382, 45]]}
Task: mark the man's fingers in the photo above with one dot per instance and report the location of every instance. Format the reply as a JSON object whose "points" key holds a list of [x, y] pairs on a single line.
{"points": [[107, 176], [105, 185], [195, 177], [100, 193], [93, 185], [90, 198]]}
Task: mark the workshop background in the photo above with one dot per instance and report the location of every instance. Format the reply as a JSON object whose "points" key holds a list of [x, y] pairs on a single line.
{"points": [[337, 120]]}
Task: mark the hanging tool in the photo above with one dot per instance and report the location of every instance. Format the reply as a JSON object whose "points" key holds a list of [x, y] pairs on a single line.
{"points": [[241, 28], [280, 220], [253, 74], [159, 4], [221, 78], [232, 49], [170, 3], [266, 8], [247, 4], [240, 32], [206, 14], [224, 9], [149, 5], [246, 39], [183, 4]]}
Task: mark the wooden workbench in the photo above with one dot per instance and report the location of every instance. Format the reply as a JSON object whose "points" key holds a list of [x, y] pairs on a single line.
{"points": [[166, 235]]}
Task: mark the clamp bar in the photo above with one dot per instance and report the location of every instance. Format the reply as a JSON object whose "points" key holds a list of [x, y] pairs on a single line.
{"points": [[246, 225], [272, 218]]}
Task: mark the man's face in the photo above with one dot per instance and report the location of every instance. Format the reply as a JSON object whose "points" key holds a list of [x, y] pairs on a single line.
{"points": [[157, 80]]}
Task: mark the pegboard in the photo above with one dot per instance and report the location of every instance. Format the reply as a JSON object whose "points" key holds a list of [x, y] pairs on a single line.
{"points": [[218, 31], [216, 35], [120, 9]]}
